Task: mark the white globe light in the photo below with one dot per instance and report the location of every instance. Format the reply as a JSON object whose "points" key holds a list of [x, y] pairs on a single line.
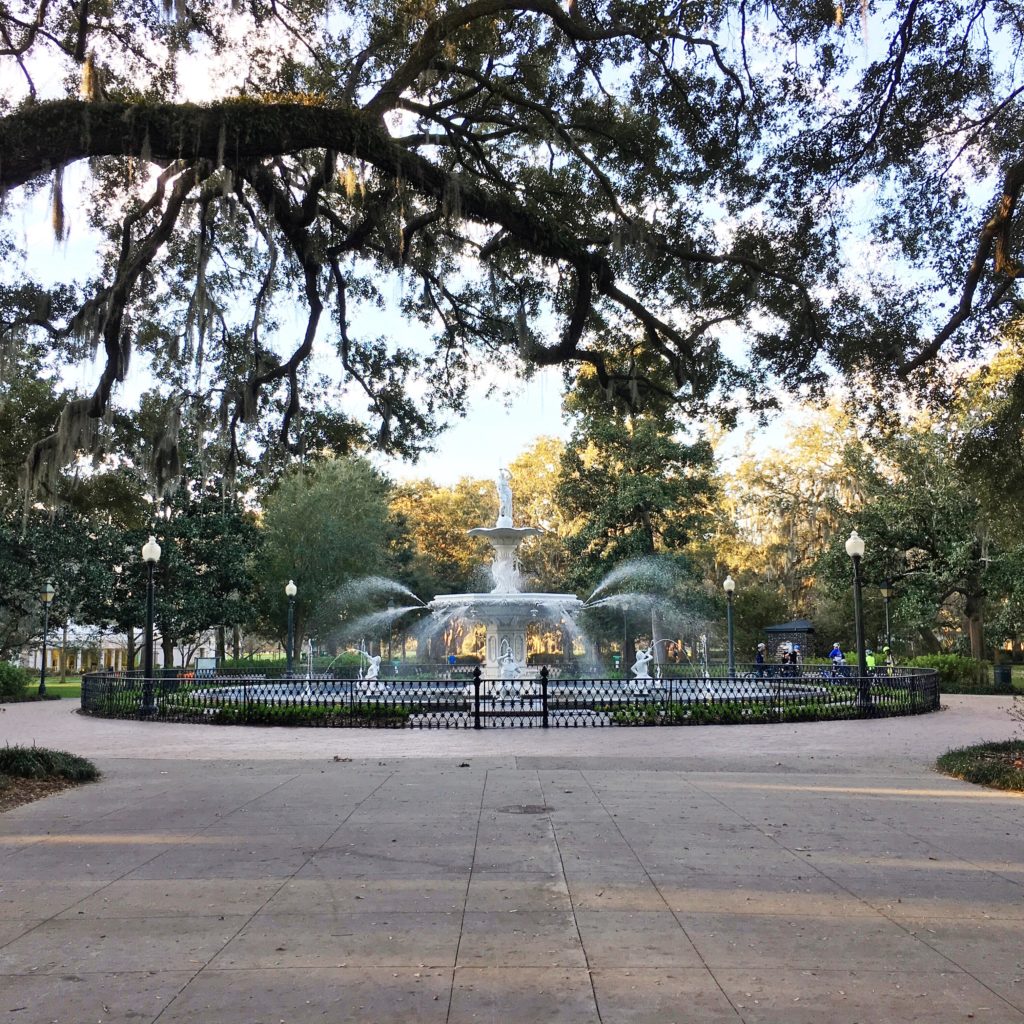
{"points": [[151, 550], [291, 590], [855, 545]]}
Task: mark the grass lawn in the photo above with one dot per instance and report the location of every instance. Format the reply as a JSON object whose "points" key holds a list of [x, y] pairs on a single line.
{"points": [[64, 689]]}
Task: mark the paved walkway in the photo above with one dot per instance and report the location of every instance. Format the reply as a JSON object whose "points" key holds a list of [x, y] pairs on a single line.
{"points": [[783, 874]]}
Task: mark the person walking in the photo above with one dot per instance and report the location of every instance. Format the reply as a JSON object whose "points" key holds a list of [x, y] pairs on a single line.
{"points": [[759, 660]]}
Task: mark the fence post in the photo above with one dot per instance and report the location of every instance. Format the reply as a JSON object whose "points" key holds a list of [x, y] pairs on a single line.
{"points": [[544, 695], [476, 697]]}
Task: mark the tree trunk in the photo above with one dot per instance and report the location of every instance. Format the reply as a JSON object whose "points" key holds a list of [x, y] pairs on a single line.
{"points": [[221, 653], [167, 644], [130, 647], [975, 624], [236, 643], [929, 645]]}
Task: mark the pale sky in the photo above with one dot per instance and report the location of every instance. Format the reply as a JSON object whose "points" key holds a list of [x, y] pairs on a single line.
{"points": [[492, 433]]}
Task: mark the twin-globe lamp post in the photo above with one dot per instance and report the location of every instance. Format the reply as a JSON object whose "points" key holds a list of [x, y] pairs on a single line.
{"points": [[729, 586], [290, 590], [46, 597], [150, 555]]}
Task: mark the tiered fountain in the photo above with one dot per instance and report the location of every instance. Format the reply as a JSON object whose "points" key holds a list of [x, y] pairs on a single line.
{"points": [[506, 612]]}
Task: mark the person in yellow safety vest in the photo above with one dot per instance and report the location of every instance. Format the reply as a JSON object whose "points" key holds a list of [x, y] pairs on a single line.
{"points": [[869, 660], [890, 661]]}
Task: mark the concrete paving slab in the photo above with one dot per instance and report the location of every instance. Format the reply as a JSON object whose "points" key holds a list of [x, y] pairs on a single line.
{"points": [[210, 856], [529, 938], [168, 897], [816, 896], [986, 945], [782, 996], [96, 858], [635, 938], [358, 995], [319, 895], [610, 894], [661, 995], [13, 928], [557, 870], [517, 893], [350, 939], [804, 942], [86, 945], [1008, 986], [113, 998], [498, 994], [41, 898]]}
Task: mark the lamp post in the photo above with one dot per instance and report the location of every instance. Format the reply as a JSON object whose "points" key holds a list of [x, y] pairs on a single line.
{"points": [[391, 626], [855, 549], [150, 555], [46, 597], [729, 586], [888, 592], [291, 590]]}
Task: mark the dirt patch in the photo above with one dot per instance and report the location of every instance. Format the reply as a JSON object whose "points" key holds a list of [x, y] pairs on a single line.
{"points": [[15, 792]]}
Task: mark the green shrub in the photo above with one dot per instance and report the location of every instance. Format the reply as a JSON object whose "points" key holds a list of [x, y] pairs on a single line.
{"points": [[999, 765], [290, 714], [14, 682], [42, 763], [957, 674]]}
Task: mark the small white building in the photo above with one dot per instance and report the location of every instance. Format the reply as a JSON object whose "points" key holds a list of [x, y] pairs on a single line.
{"points": [[91, 649]]}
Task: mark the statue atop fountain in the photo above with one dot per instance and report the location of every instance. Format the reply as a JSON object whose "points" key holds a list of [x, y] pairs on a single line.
{"points": [[505, 539], [504, 498]]}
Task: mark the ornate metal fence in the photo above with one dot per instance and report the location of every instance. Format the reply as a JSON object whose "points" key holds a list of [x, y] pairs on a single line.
{"points": [[752, 694]]}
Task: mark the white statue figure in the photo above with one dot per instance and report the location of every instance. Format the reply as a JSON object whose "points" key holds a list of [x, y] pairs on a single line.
{"points": [[504, 497], [503, 572], [644, 656], [372, 669], [508, 667]]}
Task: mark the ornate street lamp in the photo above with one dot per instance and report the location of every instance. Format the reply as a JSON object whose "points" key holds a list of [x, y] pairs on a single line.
{"points": [[855, 549], [729, 586], [46, 597], [291, 590], [150, 555], [888, 592]]}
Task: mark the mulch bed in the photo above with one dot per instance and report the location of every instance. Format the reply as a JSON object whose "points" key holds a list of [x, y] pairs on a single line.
{"points": [[15, 792]]}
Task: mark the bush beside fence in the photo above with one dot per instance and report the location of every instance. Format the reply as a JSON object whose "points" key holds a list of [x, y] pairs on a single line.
{"points": [[453, 700]]}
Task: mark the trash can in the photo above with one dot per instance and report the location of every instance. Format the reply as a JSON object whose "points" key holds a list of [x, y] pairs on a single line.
{"points": [[1003, 677]]}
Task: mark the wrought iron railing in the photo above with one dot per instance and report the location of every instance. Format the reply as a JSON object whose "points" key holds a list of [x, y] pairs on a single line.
{"points": [[770, 693]]}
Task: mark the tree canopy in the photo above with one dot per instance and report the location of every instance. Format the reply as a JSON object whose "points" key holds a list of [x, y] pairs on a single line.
{"points": [[525, 184]]}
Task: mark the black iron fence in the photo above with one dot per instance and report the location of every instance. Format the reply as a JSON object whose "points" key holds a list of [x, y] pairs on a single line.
{"points": [[777, 693]]}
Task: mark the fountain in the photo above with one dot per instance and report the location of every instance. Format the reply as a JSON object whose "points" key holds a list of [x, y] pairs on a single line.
{"points": [[506, 612], [505, 689]]}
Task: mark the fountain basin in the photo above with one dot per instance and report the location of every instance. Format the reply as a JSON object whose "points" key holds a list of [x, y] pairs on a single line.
{"points": [[506, 618]]}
